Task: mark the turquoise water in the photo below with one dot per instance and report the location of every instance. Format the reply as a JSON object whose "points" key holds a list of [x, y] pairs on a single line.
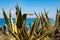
{"points": [[28, 21]]}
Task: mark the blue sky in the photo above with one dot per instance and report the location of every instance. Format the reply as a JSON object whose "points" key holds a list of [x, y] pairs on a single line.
{"points": [[29, 6]]}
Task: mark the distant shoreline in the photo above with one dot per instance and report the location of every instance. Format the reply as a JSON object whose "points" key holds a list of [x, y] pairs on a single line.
{"points": [[28, 21]]}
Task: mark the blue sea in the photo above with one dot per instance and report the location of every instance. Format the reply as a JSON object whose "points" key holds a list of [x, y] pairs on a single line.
{"points": [[28, 21]]}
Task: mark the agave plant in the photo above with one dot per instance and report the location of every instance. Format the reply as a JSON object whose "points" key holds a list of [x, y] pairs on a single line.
{"points": [[19, 31]]}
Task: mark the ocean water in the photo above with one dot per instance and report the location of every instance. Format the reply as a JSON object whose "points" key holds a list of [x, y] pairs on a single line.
{"points": [[28, 21]]}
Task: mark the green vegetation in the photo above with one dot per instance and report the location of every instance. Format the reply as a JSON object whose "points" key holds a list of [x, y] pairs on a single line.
{"points": [[19, 31]]}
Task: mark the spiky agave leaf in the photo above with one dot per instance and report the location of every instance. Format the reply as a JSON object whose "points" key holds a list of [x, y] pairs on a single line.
{"points": [[11, 21], [11, 37], [36, 14], [7, 23], [56, 26], [47, 38], [31, 30], [47, 19], [44, 25], [21, 22], [19, 19], [33, 38], [43, 22], [56, 20], [12, 25], [42, 37], [17, 12], [34, 26], [13, 34], [5, 17], [48, 24], [37, 22], [24, 30], [24, 17], [2, 36], [44, 29], [43, 18]]}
